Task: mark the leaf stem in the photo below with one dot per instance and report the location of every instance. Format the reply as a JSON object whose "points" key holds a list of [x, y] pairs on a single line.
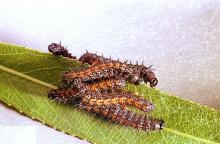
{"points": [[26, 77]]}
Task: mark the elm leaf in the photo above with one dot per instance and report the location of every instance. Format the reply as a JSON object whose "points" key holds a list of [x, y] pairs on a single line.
{"points": [[26, 76]]}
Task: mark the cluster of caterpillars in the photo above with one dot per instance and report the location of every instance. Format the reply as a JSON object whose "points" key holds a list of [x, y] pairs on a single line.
{"points": [[98, 89]]}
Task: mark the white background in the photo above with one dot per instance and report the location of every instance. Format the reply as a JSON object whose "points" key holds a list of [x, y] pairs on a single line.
{"points": [[181, 39]]}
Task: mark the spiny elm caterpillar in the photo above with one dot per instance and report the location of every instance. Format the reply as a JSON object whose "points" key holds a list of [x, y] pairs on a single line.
{"points": [[66, 95], [98, 89], [124, 98], [132, 73], [118, 114], [58, 49], [94, 97]]}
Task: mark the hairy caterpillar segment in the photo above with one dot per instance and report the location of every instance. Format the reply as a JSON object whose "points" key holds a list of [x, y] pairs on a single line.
{"points": [[138, 102], [62, 95], [119, 115], [125, 99], [93, 59], [55, 96], [106, 85]]}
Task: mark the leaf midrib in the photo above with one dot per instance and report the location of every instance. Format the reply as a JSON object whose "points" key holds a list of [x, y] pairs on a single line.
{"points": [[34, 80]]}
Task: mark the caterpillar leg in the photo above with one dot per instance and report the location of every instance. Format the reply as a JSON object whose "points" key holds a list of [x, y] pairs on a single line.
{"points": [[122, 116], [59, 50]]}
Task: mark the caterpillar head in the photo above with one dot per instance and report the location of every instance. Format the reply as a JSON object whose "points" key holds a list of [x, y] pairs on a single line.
{"points": [[142, 73], [158, 124], [149, 76], [56, 49]]}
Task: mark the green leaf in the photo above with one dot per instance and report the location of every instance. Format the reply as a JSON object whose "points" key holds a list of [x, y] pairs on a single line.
{"points": [[26, 76]]}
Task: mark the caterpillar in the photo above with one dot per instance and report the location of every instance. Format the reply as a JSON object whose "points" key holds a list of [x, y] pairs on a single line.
{"points": [[97, 73], [98, 89], [113, 69], [136, 73], [118, 114], [58, 49], [124, 98], [139, 72], [97, 98], [67, 95]]}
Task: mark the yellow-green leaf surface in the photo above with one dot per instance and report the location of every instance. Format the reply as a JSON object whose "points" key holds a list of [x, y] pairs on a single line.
{"points": [[26, 76]]}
